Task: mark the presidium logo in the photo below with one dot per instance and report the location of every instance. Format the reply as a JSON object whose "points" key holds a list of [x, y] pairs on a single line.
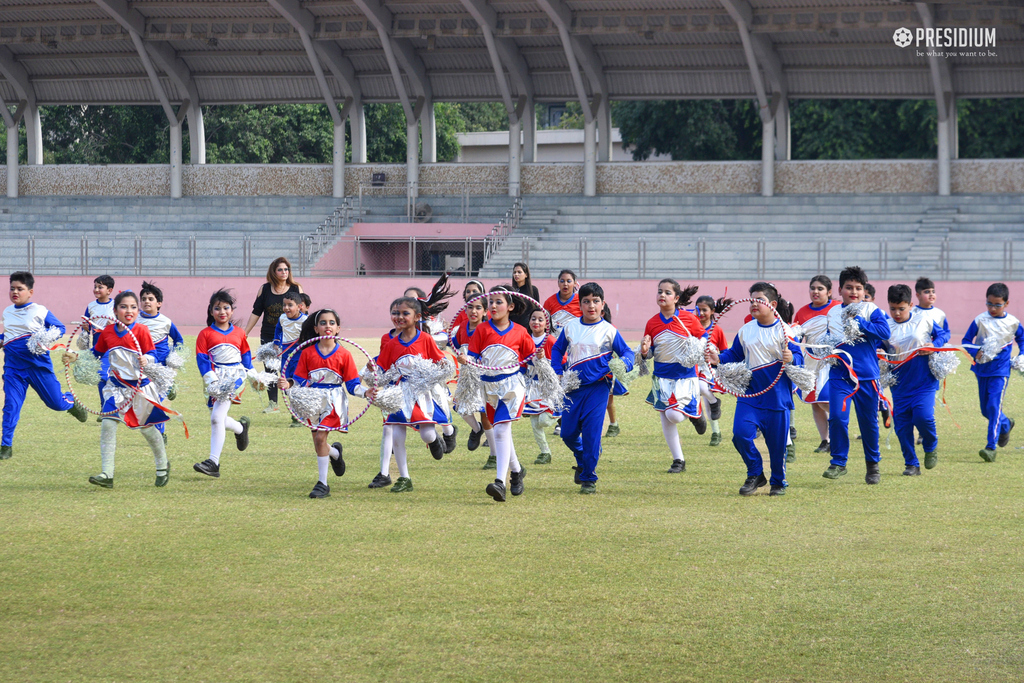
{"points": [[945, 37], [903, 37]]}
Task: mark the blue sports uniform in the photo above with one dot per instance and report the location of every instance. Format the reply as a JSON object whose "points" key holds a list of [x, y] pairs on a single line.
{"points": [[164, 333], [994, 374], [875, 326], [913, 394], [286, 337], [586, 349], [24, 369], [98, 308], [761, 347]]}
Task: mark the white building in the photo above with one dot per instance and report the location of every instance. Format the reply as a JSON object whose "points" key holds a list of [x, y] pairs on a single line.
{"points": [[552, 145]]}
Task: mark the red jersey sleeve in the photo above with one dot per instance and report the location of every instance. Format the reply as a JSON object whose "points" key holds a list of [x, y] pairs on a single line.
{"points": [[549, 343], [691, 323], [426, 348], [717, 337], [144, 338], [302, 367], [103, 342], [349, 371]]}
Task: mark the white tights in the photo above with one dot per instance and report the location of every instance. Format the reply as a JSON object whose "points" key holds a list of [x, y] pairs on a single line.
{"points": [[398, 432], [108, 446], [669, 420], [220, 422], [505, 450]]}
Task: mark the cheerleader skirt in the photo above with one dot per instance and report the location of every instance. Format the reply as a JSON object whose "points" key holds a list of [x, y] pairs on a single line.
{"points": [[682, 395], [505, 399], [136, 409], [820, 392], [424, 408]]}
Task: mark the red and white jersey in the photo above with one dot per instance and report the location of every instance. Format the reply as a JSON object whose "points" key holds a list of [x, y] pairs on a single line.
{"points": [[396, 350], [216, 347], [317, 370], [547, 341], [717, 337], [562, 312], [668, 337], [463, 334], [499, 348], [120, 355], [814, 321]]}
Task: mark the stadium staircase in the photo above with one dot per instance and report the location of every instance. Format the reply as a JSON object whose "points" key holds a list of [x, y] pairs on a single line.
{"points": [[792, 236]]}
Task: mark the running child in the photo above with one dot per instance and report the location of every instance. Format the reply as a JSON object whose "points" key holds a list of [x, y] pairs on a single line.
{"points": [[224, 359], [100, 309], [286, 335], [586, 345], [706, 309], [913, 394], [675, 387], [564, 305], [994, 332], [472, 288], [540, 412], [762, 344], [474, 314], [24, 369], [164, 333], [330, 367], [813, 322]]}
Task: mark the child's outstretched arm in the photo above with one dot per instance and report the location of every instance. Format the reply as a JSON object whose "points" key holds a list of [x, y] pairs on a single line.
{"points": [[972, 332], [558, 352], [623, 351], [876, 327]]}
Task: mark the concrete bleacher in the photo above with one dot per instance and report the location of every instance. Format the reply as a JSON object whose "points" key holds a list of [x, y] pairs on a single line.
{"points": [[728, 236]]}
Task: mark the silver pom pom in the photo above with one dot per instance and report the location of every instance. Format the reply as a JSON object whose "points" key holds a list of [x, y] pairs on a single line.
{"points": [[371, 376], [306, 403], [734, 377], [1018, 364], [269, 355], [41, 340], [177, 358], [86, 370], [943, 364], [161, 376], [643, 369], [570, 381], [223, 388], [702, 367], [692, 351], [618, 370], [796, 332], [851, 328], [469, 391], [803, 378], [83, 341], [990, 348], [886, 377], [422, 375], [549, 384], [389, 400], [827, 346], [261, 380]]}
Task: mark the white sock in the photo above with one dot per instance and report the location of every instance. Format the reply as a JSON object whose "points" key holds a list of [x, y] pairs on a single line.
{"points": [[503, 448], [156, 444], [447, 430], [108, 445], [334, 453], [514, 460], [386, 446], [715, 429], [321, 466], [473, 423], [489, 434], [668, 428], [428, 433], [613, 424], [219, 422], [398, 443], [232, 425]]}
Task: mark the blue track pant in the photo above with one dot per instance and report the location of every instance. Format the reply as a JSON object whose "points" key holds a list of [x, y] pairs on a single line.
{"points": [[16, 384], [908, 412], [990, 392], [774, 424], [865, 401], [582, 423]]}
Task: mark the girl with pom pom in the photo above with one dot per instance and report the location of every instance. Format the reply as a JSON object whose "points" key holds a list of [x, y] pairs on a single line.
{"points": [[914, 385], [539, 410], [328, 368], [224, 360], [25, 366], [707, 307], [762, 346], [499, 342], [424, 408], [813, 322], [164, 333], [474, 313], [672, 338], [127, 392], [990, 340]]}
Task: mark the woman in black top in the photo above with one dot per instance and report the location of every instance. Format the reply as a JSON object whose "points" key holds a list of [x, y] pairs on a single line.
{"points": [[521, 283], [268, 304]]}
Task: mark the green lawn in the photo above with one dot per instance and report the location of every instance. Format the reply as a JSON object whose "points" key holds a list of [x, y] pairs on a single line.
{"points": [[657, 578]]}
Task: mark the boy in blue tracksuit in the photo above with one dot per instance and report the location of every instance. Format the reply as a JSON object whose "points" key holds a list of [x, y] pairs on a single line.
{"points": [[24, 369], [762, 344], [585, 345], [1000, 330], [844, 393], [913, 394]]}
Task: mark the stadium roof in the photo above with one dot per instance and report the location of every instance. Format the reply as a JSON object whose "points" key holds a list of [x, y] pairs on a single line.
{"points": [[245, 51]]}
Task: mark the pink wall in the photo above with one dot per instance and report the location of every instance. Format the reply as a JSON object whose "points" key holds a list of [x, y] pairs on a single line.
{"points": [[404, 230], [388, 257], [363, 302]]}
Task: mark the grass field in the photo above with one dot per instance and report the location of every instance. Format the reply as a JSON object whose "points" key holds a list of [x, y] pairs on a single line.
{"points": [[657, 578]]}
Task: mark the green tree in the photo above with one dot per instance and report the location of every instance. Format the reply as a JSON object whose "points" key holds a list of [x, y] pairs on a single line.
{"points": [[991, 129], [105, 134], [481, 117], [704, 130], [863, 129]]}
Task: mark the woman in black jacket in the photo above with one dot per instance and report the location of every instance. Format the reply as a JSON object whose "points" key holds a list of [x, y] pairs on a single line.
{"points": [[521, 283]]}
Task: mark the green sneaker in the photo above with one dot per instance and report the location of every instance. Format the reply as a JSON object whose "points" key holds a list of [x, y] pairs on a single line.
{"points": [[790, 453], [613, 430], [588, 488], [172, 393], [402, 484], [542, 459], [78, 412], [716, 438], [102, 480], [295, 423], [271, 408], [161, 479], [491, 464], [987, 455], [931, 460], [6, 452], [834, 472]]}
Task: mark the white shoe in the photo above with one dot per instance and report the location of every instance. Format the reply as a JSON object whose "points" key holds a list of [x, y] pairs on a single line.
{"points": [[558, 431]]}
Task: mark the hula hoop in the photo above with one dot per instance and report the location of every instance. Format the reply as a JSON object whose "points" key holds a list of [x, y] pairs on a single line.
{"points": [[504, 368], [287, 402], [67, 366], [782, 366]]}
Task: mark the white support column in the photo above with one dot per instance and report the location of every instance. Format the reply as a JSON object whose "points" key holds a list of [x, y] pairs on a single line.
{"points": [[12, 161], [196, 134], [357, 126], [428, 127], [33, 135], [529, 119], [768, 158], [783, 149], [339, 160], [954, 129], [604, 130], [412, 157], [175, 159], [515, 156], [944, 157], [590, 157]]}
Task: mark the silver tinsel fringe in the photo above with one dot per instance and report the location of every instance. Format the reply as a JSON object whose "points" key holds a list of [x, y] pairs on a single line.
{"points": [[990, 348], [223, 388], [177, 358], [268, 355], [1018, 364], [389, 400], [692, 351], [796, 332], [886, 377], [826, 346], [549, 384], [469, 391], [803, 378], [86, 370], [702, 367], [371, 376], [570, 381], [306, 403], [261, 380], [734, 377], [161, 376], [642, 368], [943, 364], [851, 328], [83, 341], [41, 340], [422, 375], [617, 366]]}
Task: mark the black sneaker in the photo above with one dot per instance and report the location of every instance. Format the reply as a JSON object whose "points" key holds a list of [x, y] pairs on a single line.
{"points": [[207, 467], [700, 424], [78, 411], [496, 490], [515, 482], [716, 410], [6, 452], [824, 447], [677, 467], [338, 464], [242, 440], [912, 471], [449, 440], [792, 433], [777, 491], [886, 416], [1004, 438], [380, 481], [752, 484], [473, 442], [436, 448], [102, 481], [321, 490], [873, 476], [576, 475]]}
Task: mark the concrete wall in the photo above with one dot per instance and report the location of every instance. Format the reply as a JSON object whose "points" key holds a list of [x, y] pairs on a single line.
{"points": [[726, 177], [552, 145], [363, 302]]}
